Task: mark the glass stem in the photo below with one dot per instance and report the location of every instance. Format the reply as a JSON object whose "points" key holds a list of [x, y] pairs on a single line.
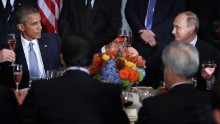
{"points": [[17, 88]]}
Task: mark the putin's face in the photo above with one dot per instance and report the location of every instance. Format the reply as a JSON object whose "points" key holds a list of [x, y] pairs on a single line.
{"points": [[181, 31]]}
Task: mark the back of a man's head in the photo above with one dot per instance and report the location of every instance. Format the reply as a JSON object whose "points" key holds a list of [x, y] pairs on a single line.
{"points": [[182, 57], [78, 50]]}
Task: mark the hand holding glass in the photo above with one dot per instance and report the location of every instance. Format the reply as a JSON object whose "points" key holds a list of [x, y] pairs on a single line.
{"points": [[209, 66], [17, 73], [11, 44]]}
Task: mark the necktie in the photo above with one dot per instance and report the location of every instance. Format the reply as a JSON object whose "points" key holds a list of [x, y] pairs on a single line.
{"points": [[8, 10], [150, 12], [33, 63], [88, 10]]}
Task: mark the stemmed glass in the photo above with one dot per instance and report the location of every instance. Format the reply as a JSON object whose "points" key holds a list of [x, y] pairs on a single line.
{"points": [[209, 66], [17, 73], [11, 44], [128, 98], [129, 38]]}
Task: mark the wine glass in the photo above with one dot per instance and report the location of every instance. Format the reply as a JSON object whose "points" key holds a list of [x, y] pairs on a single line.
{"points": [[17, 73], [122, 35], [128, 98], [129, 38], [11, 44], [209, 66]]}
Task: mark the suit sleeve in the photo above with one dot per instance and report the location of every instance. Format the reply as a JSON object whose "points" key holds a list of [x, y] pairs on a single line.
{"points": [[29, 107], [144, 114], [115, 22], [63, 23]]}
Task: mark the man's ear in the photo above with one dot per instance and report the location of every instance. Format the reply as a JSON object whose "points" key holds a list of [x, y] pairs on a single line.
{"points": [[20, 27], [192, 28]]}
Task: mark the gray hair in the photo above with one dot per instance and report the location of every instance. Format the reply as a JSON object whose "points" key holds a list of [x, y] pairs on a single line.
{"points": [[192, 20], [23, 12], [182, 57]]}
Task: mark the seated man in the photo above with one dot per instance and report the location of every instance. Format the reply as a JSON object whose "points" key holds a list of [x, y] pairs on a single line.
{"points": [[36, 52], [183, 103], [186, 26], [74, 97]]}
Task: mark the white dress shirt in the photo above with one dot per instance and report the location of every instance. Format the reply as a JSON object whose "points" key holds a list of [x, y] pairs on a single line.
{"points": [[92, 2], [26, 48], [11, 1]]}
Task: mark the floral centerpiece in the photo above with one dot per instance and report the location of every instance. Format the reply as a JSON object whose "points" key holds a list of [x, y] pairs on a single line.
{"points": [[124, 67]]}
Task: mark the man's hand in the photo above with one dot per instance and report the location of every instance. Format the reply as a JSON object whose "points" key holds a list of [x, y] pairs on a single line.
{"points": [[148, 37], [20, 95], [7, 55], [152, 42], [205, 75], [114, 45]]}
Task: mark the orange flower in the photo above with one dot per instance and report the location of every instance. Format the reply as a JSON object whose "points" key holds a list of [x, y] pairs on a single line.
{"points": [[124, 74], [133, 76], [97, 60]]}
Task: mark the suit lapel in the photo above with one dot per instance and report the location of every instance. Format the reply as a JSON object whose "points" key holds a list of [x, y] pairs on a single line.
{"points": [[2, 13], [81, 8], [96, 7], [20, 56], [43, 49]]}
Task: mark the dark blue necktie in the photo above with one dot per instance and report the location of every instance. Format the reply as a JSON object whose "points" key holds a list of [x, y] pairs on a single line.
{"points": [[150, 13], [33, 63], [8, 10]]}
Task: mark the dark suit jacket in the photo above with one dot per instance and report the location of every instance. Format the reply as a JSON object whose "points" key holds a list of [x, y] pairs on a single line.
{"points": [[10, 112], [206, 52], [164, 13], [74, 98], [11, 25], [183, 104], [105, 20], [50, 52]]}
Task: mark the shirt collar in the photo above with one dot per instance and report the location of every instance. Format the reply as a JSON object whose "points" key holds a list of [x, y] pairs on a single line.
{"points": [[193, 42], [78, 68], [179, 83], [26, 42]]}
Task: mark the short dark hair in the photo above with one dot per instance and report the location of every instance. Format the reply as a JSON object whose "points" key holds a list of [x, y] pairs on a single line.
{"points": [[23, 12], [216, 95], [78, 50]]}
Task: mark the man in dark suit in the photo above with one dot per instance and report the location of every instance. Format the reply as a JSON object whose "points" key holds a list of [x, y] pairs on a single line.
{"points": [[186, 26], [150, 40], [46, 49], [183, 103], [10, 112], [74, 97], [102, 22]]}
